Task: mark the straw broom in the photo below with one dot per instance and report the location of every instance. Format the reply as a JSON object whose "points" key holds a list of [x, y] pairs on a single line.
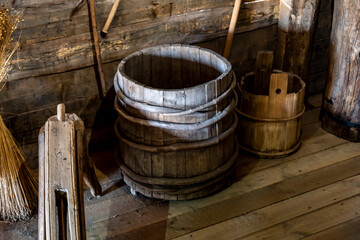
{"points": [[18, 188]]}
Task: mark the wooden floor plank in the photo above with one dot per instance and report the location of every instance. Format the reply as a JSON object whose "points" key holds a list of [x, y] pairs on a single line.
{"points": [[261, 197], [269, 185], [349, 230], [306, 225], [281, 211], [274, 175], [236, 206], [313, 144], [310, 146]]}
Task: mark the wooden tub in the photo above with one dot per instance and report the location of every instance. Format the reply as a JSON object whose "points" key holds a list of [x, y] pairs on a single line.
{"points": [[177, 124], [270, 125]]}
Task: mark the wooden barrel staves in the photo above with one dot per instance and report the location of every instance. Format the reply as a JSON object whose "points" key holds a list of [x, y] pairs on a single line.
{"points": [[340, 113], [270, 117], [177, 124]]}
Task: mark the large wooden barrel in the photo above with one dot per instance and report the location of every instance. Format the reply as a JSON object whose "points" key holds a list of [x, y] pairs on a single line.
{"points": [[176, 122], [270, 124], [340, 113]]}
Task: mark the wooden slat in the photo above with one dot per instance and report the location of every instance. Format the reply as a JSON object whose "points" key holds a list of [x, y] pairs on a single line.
{"points": [[181, 213], [349, 230], [258, 198], [264, 66], [281, 211], [313, 222], [66, 44], [316, 144], [322, 160], [276, 174]]}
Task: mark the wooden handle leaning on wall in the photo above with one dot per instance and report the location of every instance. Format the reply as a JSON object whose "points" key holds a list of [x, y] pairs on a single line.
{"points": [[98, 61], [232, 26], [110, 18]]}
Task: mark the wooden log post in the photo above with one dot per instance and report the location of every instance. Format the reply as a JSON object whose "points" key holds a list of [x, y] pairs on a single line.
{"points": [[341, 108], [297, 24]]}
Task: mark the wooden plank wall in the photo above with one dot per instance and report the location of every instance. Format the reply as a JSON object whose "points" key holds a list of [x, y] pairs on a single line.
{"points": [[319, 58], [55, 61]]}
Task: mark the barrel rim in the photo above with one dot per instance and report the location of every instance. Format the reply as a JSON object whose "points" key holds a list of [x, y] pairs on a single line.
{"points": [[167, 111], [121, 66]]}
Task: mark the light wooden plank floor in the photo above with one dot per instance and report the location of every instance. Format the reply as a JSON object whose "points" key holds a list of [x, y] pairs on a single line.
{"points": [[313, 194]]}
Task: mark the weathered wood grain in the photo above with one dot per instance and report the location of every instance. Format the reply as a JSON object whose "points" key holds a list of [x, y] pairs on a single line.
{"points": [[202, 80], [269, 125], [55, 62], [281, 211], [321, 161], [349, 230], [304, 226], [340, 112], [137, 25], [63, 148], [297, 25]]}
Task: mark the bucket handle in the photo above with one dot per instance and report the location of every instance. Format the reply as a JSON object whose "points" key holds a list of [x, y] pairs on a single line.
{"points": [[277, 94]]}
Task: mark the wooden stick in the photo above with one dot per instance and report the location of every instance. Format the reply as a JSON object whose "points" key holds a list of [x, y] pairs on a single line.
{"points": [[232, 26], [98, 62], [110, 18]]}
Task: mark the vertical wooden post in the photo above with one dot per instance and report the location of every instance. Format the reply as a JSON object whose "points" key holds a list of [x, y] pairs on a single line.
{"points": [[297, 24], [341, 108], [61, 206]]}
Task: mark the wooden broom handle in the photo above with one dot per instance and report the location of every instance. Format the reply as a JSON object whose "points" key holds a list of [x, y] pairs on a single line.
{"points": [[232, 26], [110, 18], [98, 61]]}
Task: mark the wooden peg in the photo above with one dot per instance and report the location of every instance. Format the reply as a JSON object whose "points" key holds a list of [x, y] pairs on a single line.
{"points": [[61, 112]]}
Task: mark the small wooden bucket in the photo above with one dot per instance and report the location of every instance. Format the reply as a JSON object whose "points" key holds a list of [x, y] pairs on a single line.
{"points": [[177, 124], [270, 119]]}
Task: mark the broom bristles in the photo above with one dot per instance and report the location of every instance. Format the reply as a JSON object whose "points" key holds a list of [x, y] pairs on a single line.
{"points": [[18, 188]]}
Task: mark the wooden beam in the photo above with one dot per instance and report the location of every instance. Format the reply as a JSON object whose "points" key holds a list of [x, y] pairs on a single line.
{"points": [[297, 25]]}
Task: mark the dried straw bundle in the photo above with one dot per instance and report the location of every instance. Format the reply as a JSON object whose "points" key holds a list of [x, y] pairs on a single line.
{"points": [[18, 188]]}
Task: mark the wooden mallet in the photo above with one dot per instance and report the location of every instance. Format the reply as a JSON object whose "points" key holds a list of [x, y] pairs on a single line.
{"points": [[109, 19], [232, 26]]}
